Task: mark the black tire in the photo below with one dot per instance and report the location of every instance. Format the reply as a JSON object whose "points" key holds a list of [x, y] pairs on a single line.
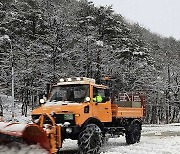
{"points": [[90, 140], [133, 134]]}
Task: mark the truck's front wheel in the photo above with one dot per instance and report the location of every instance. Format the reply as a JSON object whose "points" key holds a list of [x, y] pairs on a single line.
{"points": [[133, 134], [90, 140]]}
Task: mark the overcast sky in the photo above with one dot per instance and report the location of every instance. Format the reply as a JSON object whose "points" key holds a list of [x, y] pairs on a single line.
{"points": [[159, 16]]}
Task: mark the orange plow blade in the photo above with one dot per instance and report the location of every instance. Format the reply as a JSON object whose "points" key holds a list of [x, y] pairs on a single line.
{"points": [[24, 133], [34, 134]]}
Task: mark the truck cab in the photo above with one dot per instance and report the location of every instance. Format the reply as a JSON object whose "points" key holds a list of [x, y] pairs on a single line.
{"points": [[71, 103]]}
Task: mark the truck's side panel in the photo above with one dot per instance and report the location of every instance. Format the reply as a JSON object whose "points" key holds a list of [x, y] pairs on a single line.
{"points": [[129, 112], [126, 112]]}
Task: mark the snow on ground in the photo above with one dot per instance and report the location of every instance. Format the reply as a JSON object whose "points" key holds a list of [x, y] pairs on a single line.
{"points": [[156, 139], [150, 144], [7, 110], [18, 148]]}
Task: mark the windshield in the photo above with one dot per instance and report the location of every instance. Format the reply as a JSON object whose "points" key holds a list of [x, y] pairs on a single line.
{"points": [[70, 93]]}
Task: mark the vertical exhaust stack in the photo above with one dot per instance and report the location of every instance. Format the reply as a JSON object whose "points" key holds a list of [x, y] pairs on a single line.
{"points": [[106, 79]]}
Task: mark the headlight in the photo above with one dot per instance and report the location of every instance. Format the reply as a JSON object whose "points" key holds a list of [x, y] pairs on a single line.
{"points": [[68, 117], [69, 130]]}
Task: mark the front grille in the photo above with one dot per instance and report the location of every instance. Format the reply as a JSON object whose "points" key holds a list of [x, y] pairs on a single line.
{"points": [[59, 119]]}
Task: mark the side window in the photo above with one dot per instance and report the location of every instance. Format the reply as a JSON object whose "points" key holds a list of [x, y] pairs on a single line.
{"points": [[101, 92], [99, 95]]}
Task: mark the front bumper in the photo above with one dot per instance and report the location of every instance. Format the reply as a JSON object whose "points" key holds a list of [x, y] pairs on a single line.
{"points": [[65, 129], [73, 134]]}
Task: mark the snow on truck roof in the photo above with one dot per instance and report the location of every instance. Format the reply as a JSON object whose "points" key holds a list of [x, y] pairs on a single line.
{"points": [[79, 80], [76, 80]]}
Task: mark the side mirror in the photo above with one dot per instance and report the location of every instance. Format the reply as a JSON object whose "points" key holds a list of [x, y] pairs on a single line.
{"points": [[107, 95], [48, 87], [106, 99]]}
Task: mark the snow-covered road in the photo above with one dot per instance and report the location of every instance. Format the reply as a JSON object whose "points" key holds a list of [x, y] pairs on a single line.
{"points": [[148, 145], [18, 148], [156, 139]]}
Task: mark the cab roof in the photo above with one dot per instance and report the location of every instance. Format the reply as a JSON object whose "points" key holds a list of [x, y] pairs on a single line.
{"points": [[80, 80]]}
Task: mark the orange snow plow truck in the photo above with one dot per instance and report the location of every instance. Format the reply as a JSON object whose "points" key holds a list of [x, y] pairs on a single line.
{"points": [[79, 109]]}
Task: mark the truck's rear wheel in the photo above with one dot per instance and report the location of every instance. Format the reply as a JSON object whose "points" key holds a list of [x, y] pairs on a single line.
{"points": [[90, 140], [133, 134]]}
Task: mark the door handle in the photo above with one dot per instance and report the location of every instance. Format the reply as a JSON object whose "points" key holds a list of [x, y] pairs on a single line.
{"points": [[106, 108]]}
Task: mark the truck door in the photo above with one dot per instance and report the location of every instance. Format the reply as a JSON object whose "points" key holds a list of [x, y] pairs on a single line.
{"points": [[101, 107]]}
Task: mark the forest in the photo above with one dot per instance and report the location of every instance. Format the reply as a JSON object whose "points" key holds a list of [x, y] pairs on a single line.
{"points": [[45, 40]]}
